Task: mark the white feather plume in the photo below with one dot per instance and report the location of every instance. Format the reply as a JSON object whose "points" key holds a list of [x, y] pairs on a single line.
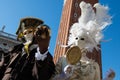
{"points": [[102, 18], [87, 32], [85, 9]]}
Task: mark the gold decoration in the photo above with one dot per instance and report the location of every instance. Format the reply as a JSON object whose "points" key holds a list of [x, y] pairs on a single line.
{"points": [[20, 35], [26, 48], [73, 55]]}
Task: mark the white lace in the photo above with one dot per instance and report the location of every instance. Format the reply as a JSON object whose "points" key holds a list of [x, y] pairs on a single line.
{"points": [[40, 56]]}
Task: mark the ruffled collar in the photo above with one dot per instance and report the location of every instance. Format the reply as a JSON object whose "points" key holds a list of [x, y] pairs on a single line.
{"points": [[40, 56]]}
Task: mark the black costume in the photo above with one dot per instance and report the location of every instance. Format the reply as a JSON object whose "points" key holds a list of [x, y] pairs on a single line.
{"points": [[4, 60], [25, 63], [28, 68]]}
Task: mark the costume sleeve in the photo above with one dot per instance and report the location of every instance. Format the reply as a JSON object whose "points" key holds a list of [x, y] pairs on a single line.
{"points": [[51, 66], [58, 70], [58, 66]]}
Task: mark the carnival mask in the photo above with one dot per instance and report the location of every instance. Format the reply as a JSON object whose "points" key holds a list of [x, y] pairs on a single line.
{"points": [[28, 34]]}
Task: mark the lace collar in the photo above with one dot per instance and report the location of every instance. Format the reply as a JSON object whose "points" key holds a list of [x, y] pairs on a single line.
{"points": [[40, 56]]}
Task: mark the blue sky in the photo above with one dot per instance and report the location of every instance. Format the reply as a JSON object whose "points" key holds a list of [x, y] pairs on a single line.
{"points": [[11, 11]]}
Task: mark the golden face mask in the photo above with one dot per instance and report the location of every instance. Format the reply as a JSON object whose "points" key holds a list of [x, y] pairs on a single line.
{"points": [[28, 34], [27, 31]]}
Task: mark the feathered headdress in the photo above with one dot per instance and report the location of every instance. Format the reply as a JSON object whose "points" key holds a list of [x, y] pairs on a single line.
{"points": [[87, 32]]}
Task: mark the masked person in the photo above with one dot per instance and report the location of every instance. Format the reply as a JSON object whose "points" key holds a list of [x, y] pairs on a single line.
{"points": [[44, 66], [39, 64], [68, 65], [21, 52]]}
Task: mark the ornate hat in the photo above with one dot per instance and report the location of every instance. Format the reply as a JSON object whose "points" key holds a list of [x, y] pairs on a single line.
{"points": [[28, 22], [43, 31], [73, 55], [25, 23]]}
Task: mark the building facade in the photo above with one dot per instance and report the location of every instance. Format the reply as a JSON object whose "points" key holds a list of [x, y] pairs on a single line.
{"points": [[7, 41]]}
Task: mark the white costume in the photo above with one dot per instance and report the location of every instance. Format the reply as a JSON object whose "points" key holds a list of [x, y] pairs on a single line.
{"points": [[86, 34]]}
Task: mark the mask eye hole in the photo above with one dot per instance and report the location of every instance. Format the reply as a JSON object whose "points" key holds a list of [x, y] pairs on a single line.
{"points": [[27, 32], [30, 32], [24, 33], [82, 39], [76, 38]]}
